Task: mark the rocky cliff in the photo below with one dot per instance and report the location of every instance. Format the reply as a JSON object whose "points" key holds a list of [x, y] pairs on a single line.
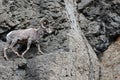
{"points": [[83, 45]]}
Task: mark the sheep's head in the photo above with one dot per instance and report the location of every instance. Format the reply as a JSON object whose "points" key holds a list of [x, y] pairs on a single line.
{"points": [[45, 27], [49, 30]]}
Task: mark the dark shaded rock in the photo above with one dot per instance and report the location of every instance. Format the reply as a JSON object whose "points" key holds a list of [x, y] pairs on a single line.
{"points": [[105, 14]]}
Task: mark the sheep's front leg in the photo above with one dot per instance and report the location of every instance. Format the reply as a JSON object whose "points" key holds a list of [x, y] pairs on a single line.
{"points": [[39, 48], [12, 45], [28, 47]]}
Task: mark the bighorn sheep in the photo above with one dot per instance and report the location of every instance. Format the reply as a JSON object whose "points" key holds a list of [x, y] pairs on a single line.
{"points": [[28, 36]]}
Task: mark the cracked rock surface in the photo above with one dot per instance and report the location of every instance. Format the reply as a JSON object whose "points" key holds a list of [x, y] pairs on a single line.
{"points": [[83, 45]]}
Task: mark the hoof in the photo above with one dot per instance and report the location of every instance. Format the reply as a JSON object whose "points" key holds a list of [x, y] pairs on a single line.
{"points": [[6, 58], [18, 55], [22, 56], [42, 53]]}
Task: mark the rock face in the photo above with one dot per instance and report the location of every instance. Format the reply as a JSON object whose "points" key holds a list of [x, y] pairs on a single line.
{"points": [[67, 53]]}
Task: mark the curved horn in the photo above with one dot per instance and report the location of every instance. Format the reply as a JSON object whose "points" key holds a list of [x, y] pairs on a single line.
{"points": [[43, 21]]}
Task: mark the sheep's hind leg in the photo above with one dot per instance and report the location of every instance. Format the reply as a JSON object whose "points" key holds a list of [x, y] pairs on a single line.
{"points": [[15, 51], [5, 54], [12, 45]]}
